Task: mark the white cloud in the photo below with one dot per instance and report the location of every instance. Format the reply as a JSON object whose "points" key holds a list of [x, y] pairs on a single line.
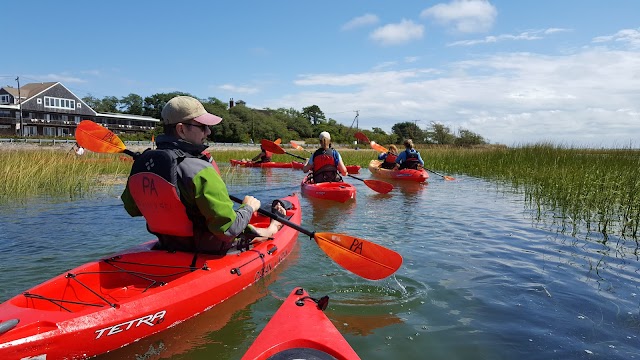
{"points": [[63, 78], [238, 89], [525, 36], [398, 34], [629, 36], [587, 98], [360, 21], [466, 16]]}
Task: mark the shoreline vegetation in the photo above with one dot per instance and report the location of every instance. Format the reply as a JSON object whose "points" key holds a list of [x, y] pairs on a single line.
{"points": [[596, 189]]}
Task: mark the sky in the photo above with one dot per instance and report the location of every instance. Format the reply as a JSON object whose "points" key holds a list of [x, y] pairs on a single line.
{"points": [[515, 72]]}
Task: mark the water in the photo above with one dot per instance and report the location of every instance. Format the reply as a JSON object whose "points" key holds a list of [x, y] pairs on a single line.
{"points": [[481, 278]]}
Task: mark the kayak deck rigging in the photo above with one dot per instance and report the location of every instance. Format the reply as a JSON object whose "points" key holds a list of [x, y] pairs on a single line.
{"points": [[96, 287]]}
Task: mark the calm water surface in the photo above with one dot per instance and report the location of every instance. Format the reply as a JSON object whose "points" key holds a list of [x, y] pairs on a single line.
{"points": [[481, 279]]}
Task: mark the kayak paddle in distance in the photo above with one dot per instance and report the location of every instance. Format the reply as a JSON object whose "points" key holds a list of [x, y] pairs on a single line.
{"points": [[362, 137], [446, 177], [359, 256], [375, 185], [298, 147]]}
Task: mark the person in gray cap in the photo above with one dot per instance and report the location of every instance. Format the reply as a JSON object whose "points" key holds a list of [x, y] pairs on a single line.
{"points": [[188, 206], [325, 162]]}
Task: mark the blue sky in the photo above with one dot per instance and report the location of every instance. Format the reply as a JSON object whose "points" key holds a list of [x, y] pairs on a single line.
{"points": [[515, 72]]}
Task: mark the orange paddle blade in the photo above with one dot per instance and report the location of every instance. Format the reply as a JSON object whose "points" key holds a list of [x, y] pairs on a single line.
{"points": [[379, 186], [296, 146], [272, 146], [362, 257], [378, 147], [375, 185], [278, 141], [97, 138], [362, 137]]}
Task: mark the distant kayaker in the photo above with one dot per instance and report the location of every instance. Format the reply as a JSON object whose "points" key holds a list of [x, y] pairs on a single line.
{"points": [[181, 195], [326, 162], [263, 157], [409, 158], [389, 157]]}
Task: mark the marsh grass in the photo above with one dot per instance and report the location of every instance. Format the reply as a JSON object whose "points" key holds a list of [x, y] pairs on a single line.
{"points": [[28, 173], [597, 188]]}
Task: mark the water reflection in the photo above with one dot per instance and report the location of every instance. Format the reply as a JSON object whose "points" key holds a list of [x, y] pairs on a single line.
{"points": [[328, 215]]}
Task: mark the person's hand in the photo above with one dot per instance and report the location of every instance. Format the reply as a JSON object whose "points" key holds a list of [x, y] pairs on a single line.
{"points": [[251, 201]]}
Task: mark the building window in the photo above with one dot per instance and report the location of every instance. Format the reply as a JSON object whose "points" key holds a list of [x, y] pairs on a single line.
{"points": [[64, 132], [49, 131], [59, 103], [39, 101], [30, 130], [4, 99]]}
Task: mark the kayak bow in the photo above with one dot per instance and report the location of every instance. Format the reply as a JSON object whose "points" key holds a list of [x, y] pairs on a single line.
{"points": [[300, 330]]}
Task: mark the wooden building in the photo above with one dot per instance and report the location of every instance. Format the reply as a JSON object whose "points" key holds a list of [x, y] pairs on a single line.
{"points": [[50, 109]]}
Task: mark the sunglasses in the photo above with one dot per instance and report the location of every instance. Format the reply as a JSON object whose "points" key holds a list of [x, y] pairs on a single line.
{"points": [[201, 126]]}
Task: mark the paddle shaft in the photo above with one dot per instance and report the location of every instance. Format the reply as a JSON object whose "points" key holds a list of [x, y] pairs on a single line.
{"points": [[294, 155], [278, 218], [434, 172], [357, 178]]}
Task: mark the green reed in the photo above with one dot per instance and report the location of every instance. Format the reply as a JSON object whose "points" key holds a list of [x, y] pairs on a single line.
{"points": [[49, 172], [598, 188]]}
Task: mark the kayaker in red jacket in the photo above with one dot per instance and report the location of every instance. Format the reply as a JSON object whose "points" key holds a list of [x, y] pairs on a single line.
{"points": [[179, 192], [326, 162], [389, 157], [263, 157]]}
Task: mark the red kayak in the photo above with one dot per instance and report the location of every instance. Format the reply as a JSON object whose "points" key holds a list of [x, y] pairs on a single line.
{"points": [[300, 330], [351, 169], [106, 304], [405, 174], [336, 191], [270, 164]]}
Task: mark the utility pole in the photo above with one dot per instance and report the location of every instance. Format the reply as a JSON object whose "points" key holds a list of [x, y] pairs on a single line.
{"points": [[20, 102], [356, 119]]}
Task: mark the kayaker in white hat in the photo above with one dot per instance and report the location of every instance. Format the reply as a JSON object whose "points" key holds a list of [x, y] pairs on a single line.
{"points": [[326, 162]]}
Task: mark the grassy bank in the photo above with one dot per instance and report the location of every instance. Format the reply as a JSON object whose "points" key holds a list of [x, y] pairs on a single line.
{"points": [[596, 188], [50, 172]]}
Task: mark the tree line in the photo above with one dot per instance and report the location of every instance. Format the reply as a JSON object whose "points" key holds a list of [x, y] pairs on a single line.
{"points": [[244, 124]]}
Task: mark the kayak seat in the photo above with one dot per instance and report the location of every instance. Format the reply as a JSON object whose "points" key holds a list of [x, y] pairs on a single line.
{"points": [[301, 353]]}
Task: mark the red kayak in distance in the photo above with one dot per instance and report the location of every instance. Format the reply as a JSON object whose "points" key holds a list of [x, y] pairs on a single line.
{"points": [[270, 164], [351, 169], [300, 330], [335, 191], [405, 174], [106, 304]]}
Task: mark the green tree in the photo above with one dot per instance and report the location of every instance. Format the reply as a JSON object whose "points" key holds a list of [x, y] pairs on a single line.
{"points": [[109, 104], [440, 134], [131, 104], [314, 115], [409, 130], [468, 138], [92, 102]]}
